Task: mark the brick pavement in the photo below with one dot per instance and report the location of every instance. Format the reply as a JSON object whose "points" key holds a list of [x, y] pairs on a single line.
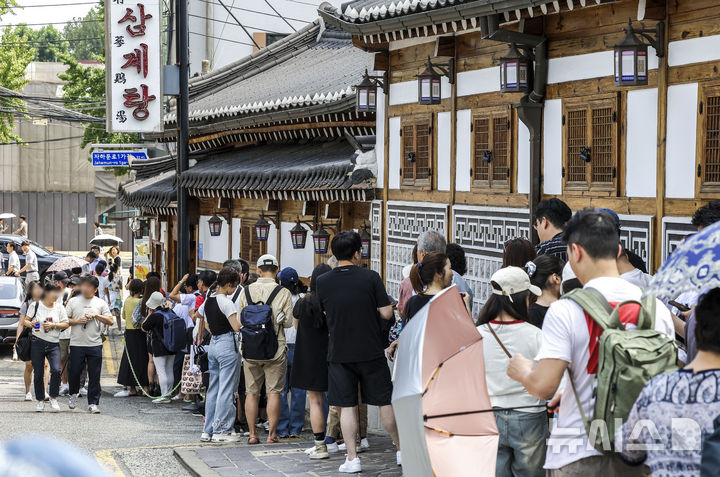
{"points": [[286, 459]]}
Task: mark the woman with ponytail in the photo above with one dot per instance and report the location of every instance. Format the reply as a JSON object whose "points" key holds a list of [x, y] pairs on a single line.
{"points": [[545, 273]]}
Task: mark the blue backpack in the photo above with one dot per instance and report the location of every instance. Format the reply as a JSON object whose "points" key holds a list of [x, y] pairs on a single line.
{"points": [[259, 339], [173, 337]]}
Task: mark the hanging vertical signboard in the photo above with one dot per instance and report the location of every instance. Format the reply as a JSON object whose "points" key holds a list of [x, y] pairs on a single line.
{"points": [[133, 58]]}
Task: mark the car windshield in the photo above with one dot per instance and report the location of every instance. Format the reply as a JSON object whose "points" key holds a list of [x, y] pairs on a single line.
{"points": [[8, 290], [39, 249]]}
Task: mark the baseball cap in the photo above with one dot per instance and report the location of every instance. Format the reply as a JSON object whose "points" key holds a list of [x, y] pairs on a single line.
{"points": [[61, 277], [155, 301], [512, 280], [288, 276], [75, 281], [267, 259], [612, 214]]}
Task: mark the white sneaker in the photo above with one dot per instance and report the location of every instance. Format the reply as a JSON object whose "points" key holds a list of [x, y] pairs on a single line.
{"points": [[205, 437], [333, 448], [72, 404], [93, 409], [83, 391], [229, 437], [54, 406], [64, 390], [123, 393], [162, 400], [28, 397], [398, 456], [40, 406], [266, 425], [351, 466], [364, 443], [358, 448]]}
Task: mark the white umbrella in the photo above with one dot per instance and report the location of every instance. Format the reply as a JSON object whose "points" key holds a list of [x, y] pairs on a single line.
{"points": [[105, 240], [7, 215]]}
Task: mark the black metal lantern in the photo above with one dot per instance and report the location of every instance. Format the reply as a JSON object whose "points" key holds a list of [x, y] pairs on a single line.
{"points": [[631, 54], [429, 85], [514, 71], [262, 228], [321, 239], [298, 235], [366, 92], [365, 241], [215, 224]]}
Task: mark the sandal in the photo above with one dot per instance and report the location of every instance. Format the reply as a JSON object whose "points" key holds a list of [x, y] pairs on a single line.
{"points": [[273, 440], [253, 441]]}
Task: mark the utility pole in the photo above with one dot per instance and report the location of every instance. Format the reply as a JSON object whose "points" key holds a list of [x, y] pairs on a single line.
{"points": [[183, 136]]}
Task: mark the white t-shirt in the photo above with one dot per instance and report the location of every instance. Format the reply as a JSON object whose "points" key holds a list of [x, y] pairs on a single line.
{"points": [[56, 314], [31, 258], [103, 283], [566, 336], [182, 309], [518, 337], [88, 334], [637, 278], [23, 229], [14, 261]]}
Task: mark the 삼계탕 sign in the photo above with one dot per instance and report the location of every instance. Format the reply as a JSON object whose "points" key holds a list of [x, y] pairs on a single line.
{"points": [[133, 56]]}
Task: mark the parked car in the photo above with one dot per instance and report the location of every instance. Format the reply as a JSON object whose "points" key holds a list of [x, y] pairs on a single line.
{"points": [[45, 257], [11, 298]]}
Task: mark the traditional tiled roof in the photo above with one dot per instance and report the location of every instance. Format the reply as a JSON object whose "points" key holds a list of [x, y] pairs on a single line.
{"points": [[312, 67], [310, 171], [155, 194]]}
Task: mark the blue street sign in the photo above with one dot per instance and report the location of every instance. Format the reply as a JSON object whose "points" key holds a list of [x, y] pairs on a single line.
{"points": [[116, 158]]}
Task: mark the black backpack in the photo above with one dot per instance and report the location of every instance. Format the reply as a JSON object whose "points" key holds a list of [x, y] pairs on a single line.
{"points": [[259, 339], [23, 343]]}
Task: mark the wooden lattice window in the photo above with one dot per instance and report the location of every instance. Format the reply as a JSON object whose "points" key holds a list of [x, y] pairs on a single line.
{"points": [[250, 247], [590, 134], [708, 166], [417, 151], [491, 150]]}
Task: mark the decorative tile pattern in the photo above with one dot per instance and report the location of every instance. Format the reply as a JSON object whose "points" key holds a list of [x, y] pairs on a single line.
{"points": [[482, 232], [406, 221], [376, 234], [674, 230], [636, 234]]}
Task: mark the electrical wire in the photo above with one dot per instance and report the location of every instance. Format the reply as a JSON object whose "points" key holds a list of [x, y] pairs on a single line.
{"points": [[278, 14], [234, 24], [46, 42], [241, 25], [257, 12], [41, 140], [221, 39], [51, 23], [11, 7]]}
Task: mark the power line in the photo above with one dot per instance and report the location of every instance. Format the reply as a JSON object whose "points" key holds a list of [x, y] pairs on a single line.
{"points": [[51, 5], [241, 25], [41, 141], [221, 39], [278, 14], [303, 3], [46, 42], [234, 24], [257, 12], [52, 23]]}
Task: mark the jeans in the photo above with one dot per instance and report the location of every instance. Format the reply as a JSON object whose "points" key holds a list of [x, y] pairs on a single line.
{"points": [[521, 446], [92, 357], [224, 367], [39, 350], [292, 417]]}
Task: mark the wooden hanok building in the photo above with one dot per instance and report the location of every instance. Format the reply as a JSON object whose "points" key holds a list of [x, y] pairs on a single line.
{"points": [[277, 152], [531, 99]]}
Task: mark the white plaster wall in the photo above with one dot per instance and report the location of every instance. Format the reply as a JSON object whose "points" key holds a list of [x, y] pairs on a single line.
{"points": [[589, 65], [214, 249], [641, 143], [523, 162], [694, 50], [380, 138], [681, 140], [302, 260], [463, 153], [407, 91], [272, 241], [485, 80], [552, 147], [394, 152], [236, 223], [444, 145]]}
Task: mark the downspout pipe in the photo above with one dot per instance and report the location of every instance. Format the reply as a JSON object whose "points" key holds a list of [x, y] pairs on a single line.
{"points": [[537, 95]]}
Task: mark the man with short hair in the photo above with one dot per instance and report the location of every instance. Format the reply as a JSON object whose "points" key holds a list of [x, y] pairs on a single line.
{"points": [[270, 372], [569, 342], [61, 279], [22, 229], [551, 215], [31, 263], [13, 269], [97, 251], [90, 258], [87, 314], [355, 301]]}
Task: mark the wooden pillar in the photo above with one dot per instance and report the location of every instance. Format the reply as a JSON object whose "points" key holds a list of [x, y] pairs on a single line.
{"points": [[230, 228], [661, 147], [386, 179]]}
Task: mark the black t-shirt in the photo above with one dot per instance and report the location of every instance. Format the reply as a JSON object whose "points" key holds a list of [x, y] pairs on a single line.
{"points": [[415, 304], [217, 320], [536, 314], [350, 297], [154, 324]]}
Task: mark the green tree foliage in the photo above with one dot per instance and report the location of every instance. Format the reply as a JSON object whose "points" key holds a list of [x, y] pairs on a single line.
{"points": [[49, 44], [89, 26], [14, 58]]}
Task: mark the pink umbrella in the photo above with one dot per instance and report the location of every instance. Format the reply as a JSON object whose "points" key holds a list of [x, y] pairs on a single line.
{"points": [[66, 263]]}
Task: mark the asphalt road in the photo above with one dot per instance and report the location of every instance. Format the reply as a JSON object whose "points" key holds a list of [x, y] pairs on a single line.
{"points": [[131, 436]]}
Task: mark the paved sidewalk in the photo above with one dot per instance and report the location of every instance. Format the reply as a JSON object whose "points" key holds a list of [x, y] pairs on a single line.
{"points": [[286, 459]]}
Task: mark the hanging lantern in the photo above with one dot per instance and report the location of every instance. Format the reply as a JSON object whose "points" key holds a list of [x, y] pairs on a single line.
{"points": [[215, 224], [138, 228], [365, 240], [513, 71], [298, 236], [262, 228], [631, 60], [429, 85], [366, 94], [321, 239]]}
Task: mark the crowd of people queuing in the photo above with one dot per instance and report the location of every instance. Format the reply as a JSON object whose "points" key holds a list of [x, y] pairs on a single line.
{"points": [[255, 347]]}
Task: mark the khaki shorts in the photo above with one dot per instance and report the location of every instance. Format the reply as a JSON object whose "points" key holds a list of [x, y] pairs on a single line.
{"points": [[64, 349], [271, 372]]}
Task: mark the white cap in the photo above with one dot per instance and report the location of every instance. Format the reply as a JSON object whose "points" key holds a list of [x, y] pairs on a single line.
{"points": [[155, 301], [267, 259], [512, 280]]}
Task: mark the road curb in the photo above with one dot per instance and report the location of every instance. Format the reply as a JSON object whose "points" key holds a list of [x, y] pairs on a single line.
{"points": [[194, 464]]}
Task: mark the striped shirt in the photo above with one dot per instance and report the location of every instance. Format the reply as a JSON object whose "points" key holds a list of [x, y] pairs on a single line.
{"points": [[555, 246]]}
